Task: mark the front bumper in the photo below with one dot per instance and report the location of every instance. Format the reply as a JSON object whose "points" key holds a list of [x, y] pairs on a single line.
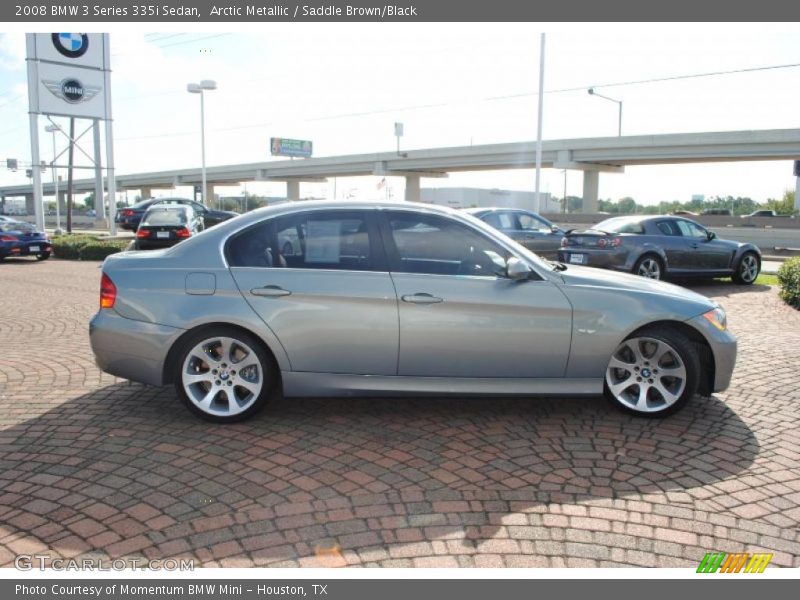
{"points": [[131, 349], [723, 347]]}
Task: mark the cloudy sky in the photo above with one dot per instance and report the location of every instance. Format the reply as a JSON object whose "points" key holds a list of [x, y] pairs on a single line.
{"points": [[344, 85]]}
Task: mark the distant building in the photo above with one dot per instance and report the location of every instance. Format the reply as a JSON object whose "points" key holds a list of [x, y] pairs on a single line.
{"points": [[463, 197]]}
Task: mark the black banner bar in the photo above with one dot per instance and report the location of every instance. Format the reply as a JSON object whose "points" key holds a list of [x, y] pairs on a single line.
{"points": [[393, 589], [237, 11]]}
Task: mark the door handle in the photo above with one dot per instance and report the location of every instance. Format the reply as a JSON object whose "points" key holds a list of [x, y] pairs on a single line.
{"points": [[421, 298], [270, 291]]}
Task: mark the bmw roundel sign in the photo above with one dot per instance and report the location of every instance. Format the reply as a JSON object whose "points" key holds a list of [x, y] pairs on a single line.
{"points": [[71, 45]]}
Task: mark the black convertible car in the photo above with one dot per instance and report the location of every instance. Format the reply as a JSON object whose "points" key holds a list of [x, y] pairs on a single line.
{"points": [[129, 218], [660, 246]]}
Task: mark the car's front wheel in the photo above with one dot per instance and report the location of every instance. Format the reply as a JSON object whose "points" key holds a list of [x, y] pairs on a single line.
{"points": [[747, 270], [224, 374], [653, 373]]}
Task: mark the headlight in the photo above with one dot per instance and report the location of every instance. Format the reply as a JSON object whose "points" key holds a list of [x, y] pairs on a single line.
{"points": [[717, 318]]}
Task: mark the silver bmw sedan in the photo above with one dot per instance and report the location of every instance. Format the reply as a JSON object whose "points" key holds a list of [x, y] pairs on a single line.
{"points": [[391, 298]]}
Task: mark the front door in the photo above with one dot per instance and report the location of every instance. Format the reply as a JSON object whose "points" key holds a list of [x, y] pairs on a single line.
{"points": [[704, 254], [458, 317]]}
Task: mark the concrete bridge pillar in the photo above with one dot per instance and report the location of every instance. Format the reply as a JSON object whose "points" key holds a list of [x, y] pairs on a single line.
{"points": [[412, 188], [591, 184], [292, 190], [146, 193], [29, 206]]}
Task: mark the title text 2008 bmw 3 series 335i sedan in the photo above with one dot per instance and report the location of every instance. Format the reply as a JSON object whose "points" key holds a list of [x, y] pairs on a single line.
{"points": [[385, 299]]}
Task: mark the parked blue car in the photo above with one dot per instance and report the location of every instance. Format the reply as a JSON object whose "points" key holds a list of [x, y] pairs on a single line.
{"points": [[22, 239]]}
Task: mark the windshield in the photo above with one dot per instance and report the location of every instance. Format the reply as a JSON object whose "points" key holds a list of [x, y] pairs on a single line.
{"points": [[165, 217], [16, 226]]}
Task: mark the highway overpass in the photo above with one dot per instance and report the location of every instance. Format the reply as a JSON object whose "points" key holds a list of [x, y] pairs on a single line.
{"points": [[590, 155]]}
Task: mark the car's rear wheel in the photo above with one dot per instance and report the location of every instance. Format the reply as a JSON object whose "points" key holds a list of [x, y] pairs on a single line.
{"points": [[649, 266], [653, 373], [747, 269], [224, 374]]}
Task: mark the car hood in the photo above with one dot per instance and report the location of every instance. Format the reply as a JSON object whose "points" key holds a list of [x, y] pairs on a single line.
{"points": [[628, 283]]}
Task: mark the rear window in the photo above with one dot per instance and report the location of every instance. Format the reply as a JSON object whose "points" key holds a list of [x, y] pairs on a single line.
{"points": [[165, 217], [16, 226], [620, 225]]}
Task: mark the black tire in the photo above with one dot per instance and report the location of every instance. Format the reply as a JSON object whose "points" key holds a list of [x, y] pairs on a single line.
{"points": [[43, 256], [690, 359], [643, 264], [743, 274], [267, 363]]}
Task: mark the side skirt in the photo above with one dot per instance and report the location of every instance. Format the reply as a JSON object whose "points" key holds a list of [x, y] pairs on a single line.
{"points": [[296, 384]]}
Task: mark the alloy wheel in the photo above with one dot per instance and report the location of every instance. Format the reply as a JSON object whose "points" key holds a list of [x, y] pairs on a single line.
{"points": [[222, 376], [748, 269], [649, 268], [646, 375]]}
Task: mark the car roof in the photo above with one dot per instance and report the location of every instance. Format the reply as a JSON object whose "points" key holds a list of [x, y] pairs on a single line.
{"points": [[170, 207], [484, 209]]}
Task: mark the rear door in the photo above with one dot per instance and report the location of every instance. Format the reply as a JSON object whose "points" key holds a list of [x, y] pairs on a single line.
{"points": [[331, 301], [676, 248], [458, 318]]}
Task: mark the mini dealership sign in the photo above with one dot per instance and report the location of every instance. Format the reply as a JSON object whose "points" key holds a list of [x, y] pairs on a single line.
{"points": [[289, 147], [68, 74]]}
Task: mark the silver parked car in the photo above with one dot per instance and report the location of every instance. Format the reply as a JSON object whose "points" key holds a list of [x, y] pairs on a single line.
{"points": [[391, 298], [661, 246]]}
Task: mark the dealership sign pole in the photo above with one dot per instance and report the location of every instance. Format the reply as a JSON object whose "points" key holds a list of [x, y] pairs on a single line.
{"points": [[69, 76]]}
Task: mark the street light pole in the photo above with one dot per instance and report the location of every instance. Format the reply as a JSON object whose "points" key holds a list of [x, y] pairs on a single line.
{"points": [[201, 88], [619, 103], [52, 129]]}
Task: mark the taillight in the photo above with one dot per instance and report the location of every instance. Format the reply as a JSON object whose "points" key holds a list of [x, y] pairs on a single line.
{"points": [[127, 213], [143, 233], [108, 292], [8, 238], [608, 242], [183, 232]]}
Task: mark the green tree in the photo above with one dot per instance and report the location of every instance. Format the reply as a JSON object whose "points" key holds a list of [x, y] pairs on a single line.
{"points": [[784, 206]]}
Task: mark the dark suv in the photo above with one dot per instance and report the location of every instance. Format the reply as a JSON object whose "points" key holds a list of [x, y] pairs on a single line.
{"points": [[129, 218]]}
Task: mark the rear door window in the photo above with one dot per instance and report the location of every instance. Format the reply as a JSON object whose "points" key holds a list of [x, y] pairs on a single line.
{"points": [[313, 240]]}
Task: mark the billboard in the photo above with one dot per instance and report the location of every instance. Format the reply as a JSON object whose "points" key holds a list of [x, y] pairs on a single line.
{"points": [[68, 74], [288, 147], [76, 49]]}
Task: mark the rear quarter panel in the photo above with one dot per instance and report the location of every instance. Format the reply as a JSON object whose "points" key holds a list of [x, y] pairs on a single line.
{"points": [[155, 290]]}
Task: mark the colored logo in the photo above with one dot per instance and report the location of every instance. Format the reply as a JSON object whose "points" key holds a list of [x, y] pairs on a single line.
{"points": [[744, 562], [71, 90], [71, 45]]}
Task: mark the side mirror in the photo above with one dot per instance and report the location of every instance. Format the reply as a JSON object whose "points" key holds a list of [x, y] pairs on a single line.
{"points": [[517, 270], [711, 235]]}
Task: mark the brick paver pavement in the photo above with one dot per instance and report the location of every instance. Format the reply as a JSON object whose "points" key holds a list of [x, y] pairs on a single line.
{"points": [[95, 466]]}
